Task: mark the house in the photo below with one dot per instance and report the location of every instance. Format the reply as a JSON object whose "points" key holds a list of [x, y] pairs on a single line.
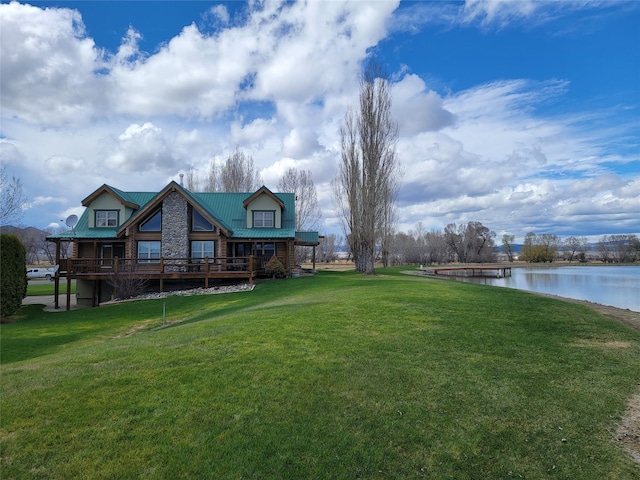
{"points": [[176, 234]]}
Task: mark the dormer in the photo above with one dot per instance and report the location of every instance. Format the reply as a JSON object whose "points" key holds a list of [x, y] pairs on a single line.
{"points": [[264, 209], [108, 208]]}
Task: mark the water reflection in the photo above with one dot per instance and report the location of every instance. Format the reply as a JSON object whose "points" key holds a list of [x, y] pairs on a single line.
{"points": [[609, 285]]}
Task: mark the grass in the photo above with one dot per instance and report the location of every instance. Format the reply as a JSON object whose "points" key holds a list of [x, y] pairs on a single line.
{"points": [[40, 289], [332, 376]]}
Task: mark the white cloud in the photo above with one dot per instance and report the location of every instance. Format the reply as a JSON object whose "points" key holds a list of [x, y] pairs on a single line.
{"points": [[498, 12], [63, 165], [276, 82], [510, 168], [220, 13], [44, 200], [495, 14], [254, 132], [9, 153], [418, 109], [47, 65], [141, 148]]}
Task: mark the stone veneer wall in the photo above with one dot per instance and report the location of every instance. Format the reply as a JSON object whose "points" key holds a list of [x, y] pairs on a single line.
{"points": [[175, 227]]}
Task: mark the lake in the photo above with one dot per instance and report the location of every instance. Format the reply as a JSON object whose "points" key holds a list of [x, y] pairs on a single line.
{"points": [[617, 286]]}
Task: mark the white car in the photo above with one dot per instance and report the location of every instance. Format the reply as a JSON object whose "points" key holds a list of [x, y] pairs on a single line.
{"points": [[47, 273]]}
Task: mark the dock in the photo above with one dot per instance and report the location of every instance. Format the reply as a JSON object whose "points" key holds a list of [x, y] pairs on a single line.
{"points": [[492, 271]]}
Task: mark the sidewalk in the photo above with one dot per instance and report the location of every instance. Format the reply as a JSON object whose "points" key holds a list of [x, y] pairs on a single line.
{"points": [[49, 302]]}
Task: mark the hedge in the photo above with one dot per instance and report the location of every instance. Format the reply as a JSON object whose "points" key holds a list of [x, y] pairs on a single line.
{"points": [[13, 274]]}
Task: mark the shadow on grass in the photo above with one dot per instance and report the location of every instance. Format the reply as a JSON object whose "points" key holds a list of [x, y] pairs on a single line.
{"points": [[32, 341], [32, 347]]}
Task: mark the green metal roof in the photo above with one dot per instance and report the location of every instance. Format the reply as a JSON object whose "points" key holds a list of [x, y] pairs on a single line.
{"points": [[264, 233], [308, 237], [225, 207]]}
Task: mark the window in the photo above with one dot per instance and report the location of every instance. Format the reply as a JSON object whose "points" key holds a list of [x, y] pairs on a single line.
{"points": [[265, 250], [154, 224], [263, 219], [202, 249], [149, 252], [106, 218], [199, 223], [239, 249]]}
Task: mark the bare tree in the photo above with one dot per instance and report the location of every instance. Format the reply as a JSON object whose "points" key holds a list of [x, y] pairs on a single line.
{"points": [[12, 198], [212, 179], [236, 174], [404, 250], [347, 187], [389, 219], [583, 249], [605, 249], [618, 248], [191, 180], [126, 284], [436, 247], [365, 184], [507, 245], [471, 243], [574, 247], [300, 182], [327, 250]]}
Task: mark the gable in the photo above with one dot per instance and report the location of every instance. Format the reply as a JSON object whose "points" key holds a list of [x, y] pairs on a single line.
{"points": [[120, 196], [264, 203], [260, 192], [156, 203], [106, 202]]}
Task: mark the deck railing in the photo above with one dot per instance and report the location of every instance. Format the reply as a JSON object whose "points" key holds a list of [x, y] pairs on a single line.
{"points": [[80, 266]]}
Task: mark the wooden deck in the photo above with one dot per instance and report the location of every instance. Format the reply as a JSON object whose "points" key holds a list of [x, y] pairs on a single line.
{"points": [[97, 269]]}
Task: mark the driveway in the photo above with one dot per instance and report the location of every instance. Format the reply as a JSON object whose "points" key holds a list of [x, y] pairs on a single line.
{"points": [[49, 302]]}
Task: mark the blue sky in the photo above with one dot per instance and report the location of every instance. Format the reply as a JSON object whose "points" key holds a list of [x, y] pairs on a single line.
{"points": [[522, 115]]}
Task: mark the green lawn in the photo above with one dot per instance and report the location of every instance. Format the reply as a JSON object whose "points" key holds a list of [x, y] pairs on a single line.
{"points": [[332, 376], [37, 289]]}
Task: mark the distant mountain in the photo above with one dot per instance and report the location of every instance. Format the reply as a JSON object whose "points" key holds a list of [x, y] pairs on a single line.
{"points": [[35, 243], [26, 232], [515, 248]]}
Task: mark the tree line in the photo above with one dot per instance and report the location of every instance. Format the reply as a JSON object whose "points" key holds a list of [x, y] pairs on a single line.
{"points": [[609, 249], [466, 243], [475, 243]]}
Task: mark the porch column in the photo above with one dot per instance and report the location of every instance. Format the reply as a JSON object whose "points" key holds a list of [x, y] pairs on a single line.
{"points": [[314, 258], [56, 278], [68, 293]]}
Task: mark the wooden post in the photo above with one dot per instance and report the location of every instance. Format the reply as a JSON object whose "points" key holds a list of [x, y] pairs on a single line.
{"points": [[56, 285], [161, 274], [68, 293], [288, 263], [314, 259], [114, 293], [206, 272]]}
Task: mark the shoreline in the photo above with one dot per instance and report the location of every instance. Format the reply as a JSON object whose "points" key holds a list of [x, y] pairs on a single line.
{"points": [[627, 317]]}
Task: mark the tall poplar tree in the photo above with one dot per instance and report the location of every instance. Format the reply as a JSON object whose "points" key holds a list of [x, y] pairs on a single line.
{"points": [[366, 185]]}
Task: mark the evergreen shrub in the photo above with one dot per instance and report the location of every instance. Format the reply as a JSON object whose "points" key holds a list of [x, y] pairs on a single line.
{"points": [[13, 274], [275, 268]]}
